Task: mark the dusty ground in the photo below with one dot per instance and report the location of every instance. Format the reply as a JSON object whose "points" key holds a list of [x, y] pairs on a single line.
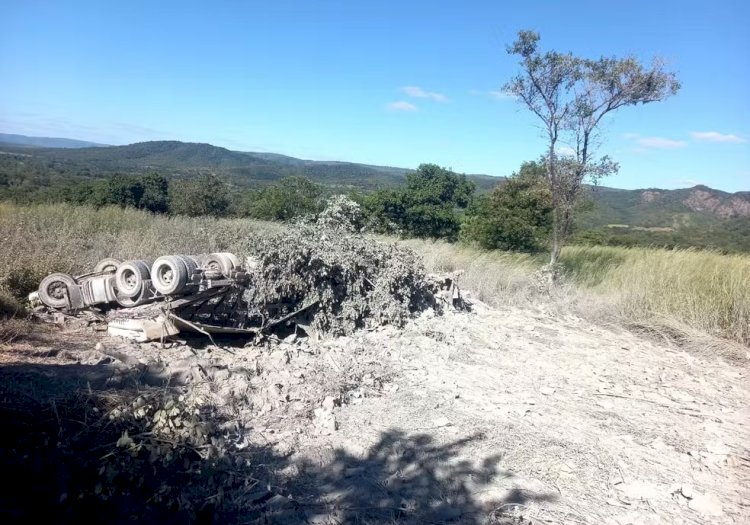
{"points": [[491, 416]]}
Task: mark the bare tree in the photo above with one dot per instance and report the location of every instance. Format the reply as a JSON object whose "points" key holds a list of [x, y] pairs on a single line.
{"points": [[571, 96]]}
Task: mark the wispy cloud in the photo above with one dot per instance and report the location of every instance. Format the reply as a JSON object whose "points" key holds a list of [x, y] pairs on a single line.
{"points": [[495, 94], [655, 142], [715, 136], [566, 151], [418, 92], [402, 105], [500, 95]]}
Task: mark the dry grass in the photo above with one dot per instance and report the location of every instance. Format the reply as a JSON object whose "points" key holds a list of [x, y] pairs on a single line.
{"points": [[493, 276], [682, 294], [705, 291], [41, 239], [674, 292]]}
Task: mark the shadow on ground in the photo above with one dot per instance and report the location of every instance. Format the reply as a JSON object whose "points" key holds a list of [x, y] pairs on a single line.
{"points": [[79, 443]]}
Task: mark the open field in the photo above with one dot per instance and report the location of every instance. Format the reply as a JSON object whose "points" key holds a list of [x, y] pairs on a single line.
{"points": [[533, 406], [681, 293]]}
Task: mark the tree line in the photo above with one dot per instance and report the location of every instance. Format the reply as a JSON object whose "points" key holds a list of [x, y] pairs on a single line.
{"points": [[435, 202]]}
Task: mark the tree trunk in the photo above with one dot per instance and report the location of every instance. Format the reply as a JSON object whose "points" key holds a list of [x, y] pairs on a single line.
{"points": [[556, 238], [555, 188]]}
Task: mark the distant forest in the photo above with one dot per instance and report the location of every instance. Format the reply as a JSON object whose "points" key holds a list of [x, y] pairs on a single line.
{"points": [[170, 177]]}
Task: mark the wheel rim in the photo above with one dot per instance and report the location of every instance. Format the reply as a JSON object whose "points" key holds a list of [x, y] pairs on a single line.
{"points": [[166, 275], [57, 289], [129, 279]]}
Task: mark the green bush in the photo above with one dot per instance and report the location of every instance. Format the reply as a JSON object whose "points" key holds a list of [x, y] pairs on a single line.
{"points": [[425, 208], [205, 195], [291, 197], [516, 215]]}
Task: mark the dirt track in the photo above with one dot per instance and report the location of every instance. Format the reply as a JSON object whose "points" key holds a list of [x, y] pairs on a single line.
{"points": [[492, 416]]}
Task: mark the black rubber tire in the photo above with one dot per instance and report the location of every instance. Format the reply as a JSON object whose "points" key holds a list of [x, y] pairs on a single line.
{"points": [[54, 288], [130, 276], [169, 275], [108, 265]]}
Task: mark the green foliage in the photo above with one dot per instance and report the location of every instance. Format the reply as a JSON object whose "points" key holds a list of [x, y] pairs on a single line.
{"points": [[426, 207], [291, 197], [516, 215], [144, 192], [206, 195]]}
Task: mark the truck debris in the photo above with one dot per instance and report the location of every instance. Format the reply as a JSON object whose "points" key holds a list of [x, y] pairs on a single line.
{"points": [[304, 279]]}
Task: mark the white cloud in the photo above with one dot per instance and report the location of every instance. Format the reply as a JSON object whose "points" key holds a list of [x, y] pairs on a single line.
{"points": [[418, 92], [715, 136], [500, 95], [660, 143], [654, 142], [402, 105], [566, 151]]}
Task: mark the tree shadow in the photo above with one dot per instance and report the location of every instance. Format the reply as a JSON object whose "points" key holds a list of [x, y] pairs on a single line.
{"points": [[74, 448]]}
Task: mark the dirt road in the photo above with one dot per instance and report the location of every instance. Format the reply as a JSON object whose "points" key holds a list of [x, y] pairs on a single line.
{"points": [[491, 416]]}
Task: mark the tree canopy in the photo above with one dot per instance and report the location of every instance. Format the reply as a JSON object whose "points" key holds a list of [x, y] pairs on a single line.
{"points": [[425, 207], [571, 96]]}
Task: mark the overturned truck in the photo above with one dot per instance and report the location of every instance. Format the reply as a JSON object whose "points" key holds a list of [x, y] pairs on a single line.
{"points": [[317, 284], [147, 300]]}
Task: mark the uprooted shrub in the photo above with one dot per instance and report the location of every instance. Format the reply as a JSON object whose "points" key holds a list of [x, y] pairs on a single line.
{"points": [[341, 213], [344, 282]]}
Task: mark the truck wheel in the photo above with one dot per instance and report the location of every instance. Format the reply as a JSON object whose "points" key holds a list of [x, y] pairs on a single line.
{"points": [[129, 302], [108, 265], [55, 289], [222, 261], [169, 275], [191, 263], [130, 276]]}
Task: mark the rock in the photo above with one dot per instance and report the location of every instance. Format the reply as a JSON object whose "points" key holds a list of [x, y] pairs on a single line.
{"points": [[442, 422], [706, 504], [687, 491], [546, 391], [325, 421], [328, 403]]}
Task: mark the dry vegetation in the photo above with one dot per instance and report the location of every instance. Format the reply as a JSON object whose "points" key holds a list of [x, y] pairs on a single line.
{"points": [[426, 423], [676, 292], [682, 294]]}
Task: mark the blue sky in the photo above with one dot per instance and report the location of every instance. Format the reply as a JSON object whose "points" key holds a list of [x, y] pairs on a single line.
{"points": [[382, 82]]}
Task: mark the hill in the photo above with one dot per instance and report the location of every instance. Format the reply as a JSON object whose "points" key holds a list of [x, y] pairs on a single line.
{"points": [[699, 216], [45, 142]]}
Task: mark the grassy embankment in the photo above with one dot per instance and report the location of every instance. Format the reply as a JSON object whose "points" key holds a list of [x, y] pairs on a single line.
{"points": [[677, 292]]}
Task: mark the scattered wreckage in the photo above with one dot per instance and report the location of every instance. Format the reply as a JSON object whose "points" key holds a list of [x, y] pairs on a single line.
{"points": [[220, 293]]}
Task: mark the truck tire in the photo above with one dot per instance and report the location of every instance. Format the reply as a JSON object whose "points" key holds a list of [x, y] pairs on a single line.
{"points": [[129, 302], [223, 261], [169, 275], [129, 278], [108, 265], [57, 289], [191, 263]]}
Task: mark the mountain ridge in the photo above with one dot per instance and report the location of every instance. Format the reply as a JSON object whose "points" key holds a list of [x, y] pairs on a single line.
{"points": [[642, 208]]}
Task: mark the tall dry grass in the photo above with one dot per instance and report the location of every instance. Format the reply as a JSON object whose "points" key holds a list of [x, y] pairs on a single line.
{"points": [[700, 290], [688, 290], [685, 291], [40, 239]]}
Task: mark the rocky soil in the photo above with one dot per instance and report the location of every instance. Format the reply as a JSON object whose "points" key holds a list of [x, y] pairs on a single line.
{"points": [[490, 416]]}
